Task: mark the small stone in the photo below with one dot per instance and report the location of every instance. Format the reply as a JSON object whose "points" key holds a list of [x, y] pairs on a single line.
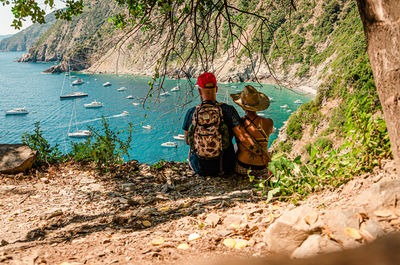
{"points": [[123, 200], [146, 223], [3, 243], [158, 241], [183, 246], [45, 180], [224, 233], [128, 186], [212, 219]]}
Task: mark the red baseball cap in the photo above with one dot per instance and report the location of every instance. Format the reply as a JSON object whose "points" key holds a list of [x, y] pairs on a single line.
{"points": [[206, 78]]}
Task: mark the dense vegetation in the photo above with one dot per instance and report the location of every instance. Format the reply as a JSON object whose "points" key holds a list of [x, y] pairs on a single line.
{"points": [[356, 121]]}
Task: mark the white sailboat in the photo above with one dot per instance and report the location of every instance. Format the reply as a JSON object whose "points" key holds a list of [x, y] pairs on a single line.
{"points": [[71, 94], [147, 127], [107, 84], [298, 101], [121, 89], [77, 133], [130, 97]]}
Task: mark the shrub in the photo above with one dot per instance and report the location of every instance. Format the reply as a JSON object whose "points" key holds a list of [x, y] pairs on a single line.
{"points": [[46, 153], [105, 147], [323, 143], [294, 129]]}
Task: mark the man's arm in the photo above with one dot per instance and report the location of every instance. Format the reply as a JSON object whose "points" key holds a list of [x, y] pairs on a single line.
{"points": [[186, 138]]}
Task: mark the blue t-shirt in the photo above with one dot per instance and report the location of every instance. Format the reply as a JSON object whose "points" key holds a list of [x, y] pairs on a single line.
{"points": [[210, 167]]}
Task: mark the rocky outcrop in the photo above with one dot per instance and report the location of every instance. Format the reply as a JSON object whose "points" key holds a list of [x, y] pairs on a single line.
{"points": [[16, 158], [307, 231]]}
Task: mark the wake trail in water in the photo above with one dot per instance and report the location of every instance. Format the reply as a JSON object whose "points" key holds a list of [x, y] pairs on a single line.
{"points": [[93, 120]]}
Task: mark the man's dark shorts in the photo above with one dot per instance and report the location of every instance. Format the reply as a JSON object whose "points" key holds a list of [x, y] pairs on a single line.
{"points": [[210, 167]]}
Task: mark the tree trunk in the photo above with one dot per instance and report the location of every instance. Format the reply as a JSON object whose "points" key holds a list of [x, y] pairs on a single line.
{"points": [[381, 20]]}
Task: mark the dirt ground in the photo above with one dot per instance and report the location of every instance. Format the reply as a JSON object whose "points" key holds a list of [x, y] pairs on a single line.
{"points": [[141, 214]]}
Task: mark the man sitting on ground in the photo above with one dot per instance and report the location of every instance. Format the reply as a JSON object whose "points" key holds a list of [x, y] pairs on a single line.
{"points": [[209, 131]]}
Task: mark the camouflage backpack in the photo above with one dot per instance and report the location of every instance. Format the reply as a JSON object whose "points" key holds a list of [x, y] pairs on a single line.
{"points": [[208, 135]]}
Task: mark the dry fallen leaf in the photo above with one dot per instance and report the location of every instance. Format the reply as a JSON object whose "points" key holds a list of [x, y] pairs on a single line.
{"points": [[146, 223], [235, 243], [241, 243], [229, 242], [235, 226], [163, 209], [193, 236], [383, 213], [311, 218], [158, 241], [183, 246], [270, 218], [353, 233]]}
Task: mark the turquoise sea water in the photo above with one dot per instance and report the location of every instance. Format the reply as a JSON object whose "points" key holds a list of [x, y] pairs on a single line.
{"points": [[24, 84]]}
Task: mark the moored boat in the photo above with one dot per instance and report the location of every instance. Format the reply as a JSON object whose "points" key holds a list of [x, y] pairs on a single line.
{"points": [[77, 82], [107, 84], [285, 106], [129, 97], [74, 95], [298, 101], [79, 134], [165, 94], [17, 111], [121, 89], [147, 127], [175, 89], [93, 104], [180, 137], [169, 144]]}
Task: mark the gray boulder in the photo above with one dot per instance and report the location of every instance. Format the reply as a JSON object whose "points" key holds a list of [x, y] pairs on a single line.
{"points": [[16, 158], [290, 230], [315, 245]]}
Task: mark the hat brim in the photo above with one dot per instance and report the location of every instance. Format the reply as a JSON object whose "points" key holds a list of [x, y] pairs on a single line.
{"points": [[263, 103]]}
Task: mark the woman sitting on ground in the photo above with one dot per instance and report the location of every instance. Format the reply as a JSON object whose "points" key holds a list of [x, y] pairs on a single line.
{"points": [[253, 134]]}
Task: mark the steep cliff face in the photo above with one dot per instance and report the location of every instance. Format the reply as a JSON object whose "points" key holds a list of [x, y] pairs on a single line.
{"points": [[80, 40], [24, 39], [300, 55]]}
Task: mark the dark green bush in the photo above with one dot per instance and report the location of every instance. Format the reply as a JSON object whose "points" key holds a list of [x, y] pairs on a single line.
{"points": [[47, 154]]}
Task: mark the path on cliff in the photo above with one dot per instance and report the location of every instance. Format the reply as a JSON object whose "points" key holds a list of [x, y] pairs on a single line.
{"points": [[165, 213]]}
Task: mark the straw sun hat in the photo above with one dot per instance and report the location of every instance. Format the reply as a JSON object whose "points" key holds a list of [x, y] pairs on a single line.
{"points": [[250, 99]]}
